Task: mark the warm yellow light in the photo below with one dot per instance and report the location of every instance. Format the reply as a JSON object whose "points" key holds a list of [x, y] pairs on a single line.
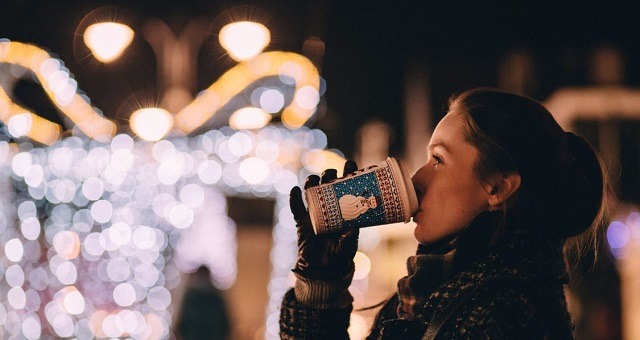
{"points": [[63, 94], [267, 64], [21, 122], [358, 327], [318, 160], [244, 40], [362, 264], [249, 118], [107, 40], [151, 124]]}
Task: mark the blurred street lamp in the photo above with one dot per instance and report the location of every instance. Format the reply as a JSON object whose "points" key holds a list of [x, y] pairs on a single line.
{"points": [[244, 40], [107, 40], [176, 56], [151, 124], [249, 118]]}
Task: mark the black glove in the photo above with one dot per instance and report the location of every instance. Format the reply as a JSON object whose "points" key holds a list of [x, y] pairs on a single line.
{"points": [[325, 256]]}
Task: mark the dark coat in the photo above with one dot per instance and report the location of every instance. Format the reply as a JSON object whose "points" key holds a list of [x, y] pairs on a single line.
{"points": [[517, 293]]}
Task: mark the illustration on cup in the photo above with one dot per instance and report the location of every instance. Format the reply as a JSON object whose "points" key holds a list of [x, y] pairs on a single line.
{"points": [[352, 206]]}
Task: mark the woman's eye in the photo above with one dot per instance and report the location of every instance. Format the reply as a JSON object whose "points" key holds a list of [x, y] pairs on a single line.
{"points": [[437, 159]]}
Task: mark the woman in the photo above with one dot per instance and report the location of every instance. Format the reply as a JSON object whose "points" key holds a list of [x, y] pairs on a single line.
{"points": [[502, 190]]}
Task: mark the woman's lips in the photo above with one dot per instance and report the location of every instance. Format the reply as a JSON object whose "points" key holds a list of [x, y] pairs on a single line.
{"points": [[416, 216]]}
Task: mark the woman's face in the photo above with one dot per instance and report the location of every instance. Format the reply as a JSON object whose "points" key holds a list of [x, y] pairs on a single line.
{"points": [[449, 192]]}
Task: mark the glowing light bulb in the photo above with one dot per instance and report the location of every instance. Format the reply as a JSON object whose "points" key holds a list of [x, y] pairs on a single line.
{"points": [[254, 170], [107, 40], [20, 124], [244, 40], [151, 124], [362, 264], [249, 118]]}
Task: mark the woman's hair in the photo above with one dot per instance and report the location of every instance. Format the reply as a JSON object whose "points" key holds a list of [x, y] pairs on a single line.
{"points": [[562, 180]]}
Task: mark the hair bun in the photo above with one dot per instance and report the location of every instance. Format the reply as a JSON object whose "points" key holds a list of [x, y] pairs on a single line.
{"points": [[585, 182]]}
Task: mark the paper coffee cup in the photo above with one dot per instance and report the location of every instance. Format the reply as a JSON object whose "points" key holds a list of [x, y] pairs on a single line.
{"points": [[379, 194]]}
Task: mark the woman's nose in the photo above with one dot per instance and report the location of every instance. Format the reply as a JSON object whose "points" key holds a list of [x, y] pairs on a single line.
{"points": [[419, 178], [420, 181]]}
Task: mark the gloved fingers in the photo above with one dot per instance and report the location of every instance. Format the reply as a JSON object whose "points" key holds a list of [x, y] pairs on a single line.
{"points": [[296, 204], [329, 175], [311, 181], [349, 167]]}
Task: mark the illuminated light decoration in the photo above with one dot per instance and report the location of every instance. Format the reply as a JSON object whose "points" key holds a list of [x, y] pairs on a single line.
{"points": [[254, 170], [618, 235], [107, 252], [151, 124], [358, 327], [22, 122], [244, 40], [272, 100], [249, 118], [107, 40], [218, 161], [61, 89], [362, 266], [317, 160], [290, 66]]}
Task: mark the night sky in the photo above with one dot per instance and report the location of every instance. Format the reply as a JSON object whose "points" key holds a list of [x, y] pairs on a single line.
{"points": [[368, 46]]}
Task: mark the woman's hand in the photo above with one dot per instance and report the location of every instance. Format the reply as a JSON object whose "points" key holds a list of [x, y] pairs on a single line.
{"points": [[325, 256]]}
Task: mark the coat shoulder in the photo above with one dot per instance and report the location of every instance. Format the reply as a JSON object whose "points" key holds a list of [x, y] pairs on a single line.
{"points": [[507, 309]]}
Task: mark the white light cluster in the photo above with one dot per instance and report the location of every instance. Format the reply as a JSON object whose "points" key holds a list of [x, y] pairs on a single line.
{"points": [[95, 235]]}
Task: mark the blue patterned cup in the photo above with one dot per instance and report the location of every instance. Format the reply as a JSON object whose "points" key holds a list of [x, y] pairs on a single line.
{"points": [[379, 194]]}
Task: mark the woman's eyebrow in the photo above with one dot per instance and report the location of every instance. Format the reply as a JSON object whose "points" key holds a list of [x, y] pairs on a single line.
{"points": [[439, 144]]}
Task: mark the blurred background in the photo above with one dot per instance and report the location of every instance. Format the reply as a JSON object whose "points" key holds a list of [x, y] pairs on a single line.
{"points": [[148, 147]]}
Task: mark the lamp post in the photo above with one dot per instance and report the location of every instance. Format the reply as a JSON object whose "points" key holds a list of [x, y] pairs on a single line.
{"points": [[176, 57]]}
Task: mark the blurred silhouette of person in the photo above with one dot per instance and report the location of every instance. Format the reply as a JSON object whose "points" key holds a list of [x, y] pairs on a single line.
{"points": [[203, 313]]}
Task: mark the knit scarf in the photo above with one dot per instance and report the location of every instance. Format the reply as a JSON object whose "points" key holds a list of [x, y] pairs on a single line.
{"points": [[426, 272], [435, 263]]}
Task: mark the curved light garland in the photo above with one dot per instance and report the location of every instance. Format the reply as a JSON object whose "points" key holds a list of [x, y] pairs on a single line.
{"points": [[59, 86], [62, 89], [41, 130], [290, 67], [213, 163]]}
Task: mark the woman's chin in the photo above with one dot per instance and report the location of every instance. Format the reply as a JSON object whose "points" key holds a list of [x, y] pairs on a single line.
{"points": [[419, 233]]}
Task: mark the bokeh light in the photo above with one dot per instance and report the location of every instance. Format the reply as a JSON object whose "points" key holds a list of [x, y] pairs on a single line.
{"points": [[20, 124], [358, 327], [244, 40], [362, 265], [617, 235], [249, 118], [60, 87], [94, 233], [151, 124], [107, 40], [272, 100]]}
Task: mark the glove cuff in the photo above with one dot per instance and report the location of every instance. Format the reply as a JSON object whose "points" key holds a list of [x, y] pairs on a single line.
{"points": [[323, 294]]}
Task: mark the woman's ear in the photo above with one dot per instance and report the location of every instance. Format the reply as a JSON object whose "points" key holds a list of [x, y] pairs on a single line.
{"points": [[503, 187]]}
